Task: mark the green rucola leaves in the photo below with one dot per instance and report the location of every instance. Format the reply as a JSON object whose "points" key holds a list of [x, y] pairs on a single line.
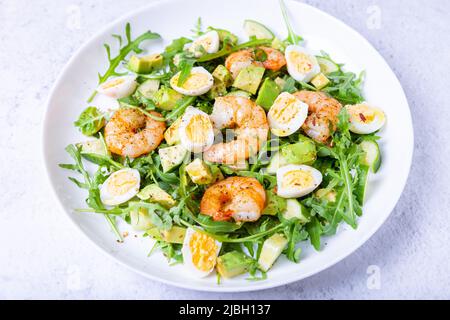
{"points": [[90, 121]]}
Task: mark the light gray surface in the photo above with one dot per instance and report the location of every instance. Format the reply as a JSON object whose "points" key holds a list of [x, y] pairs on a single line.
{"points": [[43, 256]]}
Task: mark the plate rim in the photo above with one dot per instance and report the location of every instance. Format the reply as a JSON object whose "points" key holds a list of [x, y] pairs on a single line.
{"points": [[200, 287]]}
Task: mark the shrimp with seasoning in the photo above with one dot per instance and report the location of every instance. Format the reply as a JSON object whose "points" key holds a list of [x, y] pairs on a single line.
{"points": [[131, 133], [250, 126], [240, 198], [322, 114], [274, 60]]}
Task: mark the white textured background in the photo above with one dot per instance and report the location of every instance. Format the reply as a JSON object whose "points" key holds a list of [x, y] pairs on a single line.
{"points": [[43, 256]]}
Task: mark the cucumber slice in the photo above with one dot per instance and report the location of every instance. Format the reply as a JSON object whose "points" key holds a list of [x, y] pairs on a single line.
{"points": [[258, 30], [361, 187], [148, 88], [295, 209], [277, 161], [372, 156], [327, 66], [271, 250]]}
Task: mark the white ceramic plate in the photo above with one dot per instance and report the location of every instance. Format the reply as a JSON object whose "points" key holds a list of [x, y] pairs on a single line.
{"points": [[176, 18]]}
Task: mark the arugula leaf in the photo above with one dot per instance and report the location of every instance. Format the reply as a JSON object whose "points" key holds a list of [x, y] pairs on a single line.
{"points": [[185, 65], [345, 86], [102, 160], [227, 50], [197, 31], [174, 48], [314, 229], [159, 216], [292, 37], [90, 183], [294, 233], [130, 46], [268, 181], [133, 103], [90, 121]]}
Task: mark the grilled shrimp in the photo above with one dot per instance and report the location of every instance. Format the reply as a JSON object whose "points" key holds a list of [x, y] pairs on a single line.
{"points": [[239, 60], [131, 133], [322, 114], [242, 198], [250, 128]]}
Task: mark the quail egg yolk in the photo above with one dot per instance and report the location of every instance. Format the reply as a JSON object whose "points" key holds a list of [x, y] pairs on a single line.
{"points": [[203, 249], [301, 61], [121, 183], [297, 178], [194, 81], [364, 114], [196, 128], [285, 110], [113, 83]]}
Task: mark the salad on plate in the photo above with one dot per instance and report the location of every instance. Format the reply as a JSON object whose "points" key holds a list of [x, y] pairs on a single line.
{"points": [[227, 153]]}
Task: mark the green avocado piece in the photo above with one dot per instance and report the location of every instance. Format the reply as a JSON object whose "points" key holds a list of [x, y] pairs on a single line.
{"points": [[267, 94], [226, 35], [275, 204], [145, 64], [140, 220], [172, 157], [153, 193], [223, 75], [174, 235], [232, 264], [166, 98], [249, 79], [218, 90], [302, 152]]}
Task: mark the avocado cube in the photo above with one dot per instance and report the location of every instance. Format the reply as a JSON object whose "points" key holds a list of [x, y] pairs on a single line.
{"points": [[145, 64], [302, 152], [320, 81], [225, 35], [278, 44], [172, 157], [153, 193], [222, 74], [267, 94], [280, 83], [217, 90], [171, 134], [199, 172], [217, 174], [140, 220], [249, 79], [174, 235], [232, 264], [166, 98], [95, 146]]}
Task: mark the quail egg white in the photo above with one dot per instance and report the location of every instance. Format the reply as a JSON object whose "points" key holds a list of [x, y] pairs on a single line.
{"points": [[287, 115], [120, 187], [294, 181], [119, 87], [197, 83], [200, 252], [365, 119], [301, 64], [196, 130]]}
